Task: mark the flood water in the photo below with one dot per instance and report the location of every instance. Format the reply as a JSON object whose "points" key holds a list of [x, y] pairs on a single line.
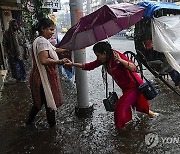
{"points": [[94, 134]]}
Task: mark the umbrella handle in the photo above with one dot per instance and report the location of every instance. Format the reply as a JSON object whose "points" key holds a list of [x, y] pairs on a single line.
{"points": [[106, 35], [128, 18]]}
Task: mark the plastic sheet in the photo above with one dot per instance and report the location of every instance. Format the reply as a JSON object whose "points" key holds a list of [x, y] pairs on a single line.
{"points": [[166, 38]]}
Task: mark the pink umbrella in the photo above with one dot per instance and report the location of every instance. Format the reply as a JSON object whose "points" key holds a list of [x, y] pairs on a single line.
{"points": [[103, 23]]}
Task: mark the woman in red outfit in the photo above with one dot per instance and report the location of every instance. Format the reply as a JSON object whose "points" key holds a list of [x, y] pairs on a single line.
{"points": [[119, 67]]}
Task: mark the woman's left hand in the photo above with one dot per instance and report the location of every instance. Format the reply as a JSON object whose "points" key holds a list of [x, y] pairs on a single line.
{"points": [[60, 50], [117, 56], [129, 65], [64, 50]]}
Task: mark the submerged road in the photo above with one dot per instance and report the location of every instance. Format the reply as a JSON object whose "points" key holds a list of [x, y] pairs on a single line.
{"points": [[95, 134]]}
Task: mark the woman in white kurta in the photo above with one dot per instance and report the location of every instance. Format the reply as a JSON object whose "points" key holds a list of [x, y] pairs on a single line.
{"points": [[44, 78]]}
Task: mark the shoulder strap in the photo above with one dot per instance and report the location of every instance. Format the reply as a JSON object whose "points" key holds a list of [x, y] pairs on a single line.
{"points": [[134, 78], [104, 76], [106, 85]]}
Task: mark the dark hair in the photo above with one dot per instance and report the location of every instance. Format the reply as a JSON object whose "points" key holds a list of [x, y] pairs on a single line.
{"points": [[12, 21], [11, 27], [42, 23], [103, 47]]}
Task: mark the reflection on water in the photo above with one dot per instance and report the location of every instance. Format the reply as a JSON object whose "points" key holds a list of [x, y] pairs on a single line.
{"points": [[95, 134]]}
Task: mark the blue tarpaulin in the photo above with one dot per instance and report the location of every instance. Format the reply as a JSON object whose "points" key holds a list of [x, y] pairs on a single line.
{"points": [[153, 6]]}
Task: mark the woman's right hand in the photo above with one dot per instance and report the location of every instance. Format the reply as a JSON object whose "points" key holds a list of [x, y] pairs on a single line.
{"points": [[63, 61], [68, 63]]}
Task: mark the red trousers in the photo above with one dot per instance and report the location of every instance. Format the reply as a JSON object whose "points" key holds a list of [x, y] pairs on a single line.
{"points": [[122, 113]]}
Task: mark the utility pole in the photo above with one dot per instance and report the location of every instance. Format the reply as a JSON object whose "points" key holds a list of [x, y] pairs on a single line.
{"points": [[83, 106]]}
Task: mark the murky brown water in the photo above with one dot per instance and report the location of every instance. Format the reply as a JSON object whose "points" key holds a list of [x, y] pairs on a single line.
{"points": [[95, 134]]}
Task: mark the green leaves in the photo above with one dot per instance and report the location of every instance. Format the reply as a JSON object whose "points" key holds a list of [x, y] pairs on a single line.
{"points": [[30, 17]]}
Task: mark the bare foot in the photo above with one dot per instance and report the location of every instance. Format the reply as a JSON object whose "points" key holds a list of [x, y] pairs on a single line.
{"points": [[152, 114]]}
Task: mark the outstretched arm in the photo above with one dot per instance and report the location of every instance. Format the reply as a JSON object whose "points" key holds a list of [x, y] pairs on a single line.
{"points": [[70, 63], [46, 60], [60, 50], [85, 66]]}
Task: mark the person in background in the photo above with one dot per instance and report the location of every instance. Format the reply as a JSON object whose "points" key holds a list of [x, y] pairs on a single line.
{"points": [[16, 50], [165, 67], [156, 60], [44, 77], [119, 67]]}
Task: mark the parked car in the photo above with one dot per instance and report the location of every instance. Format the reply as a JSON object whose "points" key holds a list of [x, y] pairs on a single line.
{"points": [[130, 33], [121, 33]]}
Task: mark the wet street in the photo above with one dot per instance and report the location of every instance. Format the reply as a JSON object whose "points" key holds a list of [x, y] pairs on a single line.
{"points": [[95, 134]]}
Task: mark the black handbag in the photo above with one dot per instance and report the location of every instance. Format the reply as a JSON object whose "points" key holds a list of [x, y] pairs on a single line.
{"points": [[111, 99], [147, 88]]}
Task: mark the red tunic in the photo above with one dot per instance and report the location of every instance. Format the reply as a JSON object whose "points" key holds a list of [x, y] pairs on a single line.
{"points": [[54, 80], [131, 96]]}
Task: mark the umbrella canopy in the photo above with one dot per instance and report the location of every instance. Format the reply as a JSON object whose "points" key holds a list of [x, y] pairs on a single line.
{"points": [[103, 23]]}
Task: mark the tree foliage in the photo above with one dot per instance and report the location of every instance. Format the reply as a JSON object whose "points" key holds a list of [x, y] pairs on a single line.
{"points": [[30, 18]]}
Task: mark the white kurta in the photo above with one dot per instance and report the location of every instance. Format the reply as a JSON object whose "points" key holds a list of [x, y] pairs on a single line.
{"points": [[42, 44]]}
